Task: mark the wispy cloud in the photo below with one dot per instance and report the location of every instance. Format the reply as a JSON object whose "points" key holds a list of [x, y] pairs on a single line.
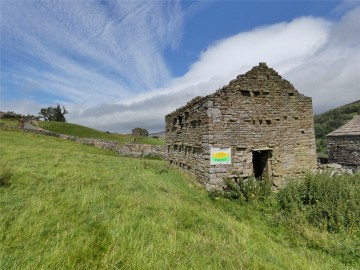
{"points": [[79, 49], [104, 60]]}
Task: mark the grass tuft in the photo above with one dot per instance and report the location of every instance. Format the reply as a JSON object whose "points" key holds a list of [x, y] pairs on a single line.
{"points": [[5, 177]]}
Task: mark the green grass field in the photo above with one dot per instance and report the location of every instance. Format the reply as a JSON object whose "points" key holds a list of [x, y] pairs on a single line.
{"points": [[10, 122], [85, 132], [65, 205]]}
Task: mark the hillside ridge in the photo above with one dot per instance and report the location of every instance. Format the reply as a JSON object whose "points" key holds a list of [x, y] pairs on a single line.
{"points": [[328, 121]]}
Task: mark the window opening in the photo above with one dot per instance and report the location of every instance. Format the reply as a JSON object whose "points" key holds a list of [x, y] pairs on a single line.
{"points": [[193, 124], [245, 93]]}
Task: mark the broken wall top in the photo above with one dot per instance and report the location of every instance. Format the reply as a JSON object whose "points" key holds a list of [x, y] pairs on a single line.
{"points": [[259, 78]]}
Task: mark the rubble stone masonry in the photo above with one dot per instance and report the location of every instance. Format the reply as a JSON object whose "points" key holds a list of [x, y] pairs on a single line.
{"points": [[265, 121], [344, 144], [344, 150]]}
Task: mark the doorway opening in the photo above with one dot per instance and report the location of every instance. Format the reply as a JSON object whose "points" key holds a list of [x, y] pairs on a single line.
{"points": [[261, 163]]}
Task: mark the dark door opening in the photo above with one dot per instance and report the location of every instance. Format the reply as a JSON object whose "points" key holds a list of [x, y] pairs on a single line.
{"points": [[261, 163]]}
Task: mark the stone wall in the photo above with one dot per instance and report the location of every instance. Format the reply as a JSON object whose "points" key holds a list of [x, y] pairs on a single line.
{"points": [[186, 133], [344, 150], [135, 150], [259, 115]]}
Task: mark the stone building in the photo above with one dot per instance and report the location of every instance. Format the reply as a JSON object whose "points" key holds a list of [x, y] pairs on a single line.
{"points": [[258, 124], [344, 144]]}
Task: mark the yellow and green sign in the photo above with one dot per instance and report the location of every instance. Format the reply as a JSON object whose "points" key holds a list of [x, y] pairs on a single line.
{"points": [[220, 156]]}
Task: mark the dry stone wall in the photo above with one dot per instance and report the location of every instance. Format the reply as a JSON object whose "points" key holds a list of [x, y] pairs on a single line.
{"points": [[262, 118], [135, 150]]}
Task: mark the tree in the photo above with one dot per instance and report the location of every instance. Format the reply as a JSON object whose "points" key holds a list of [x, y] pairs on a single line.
{"points": [[53, 113], [140, 132]]}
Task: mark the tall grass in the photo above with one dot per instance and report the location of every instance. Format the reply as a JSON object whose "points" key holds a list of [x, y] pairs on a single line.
{"points": [[324, 212], [71, 206], [331, 203], [321, 211]]}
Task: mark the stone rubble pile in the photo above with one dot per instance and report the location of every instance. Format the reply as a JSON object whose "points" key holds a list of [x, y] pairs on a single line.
{"points": [[334, 168]]}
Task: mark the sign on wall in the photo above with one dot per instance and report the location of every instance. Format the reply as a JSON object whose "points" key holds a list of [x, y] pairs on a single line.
{"points": [[220, 156]]}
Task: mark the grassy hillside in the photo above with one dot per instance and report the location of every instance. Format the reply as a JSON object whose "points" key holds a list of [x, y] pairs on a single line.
{"points": [[65, 205], [331, 120], [85, 132], [10, 122]]}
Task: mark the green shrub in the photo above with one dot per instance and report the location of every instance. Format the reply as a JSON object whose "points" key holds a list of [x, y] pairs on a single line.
{"points": [[247, 189], [329, 203]]}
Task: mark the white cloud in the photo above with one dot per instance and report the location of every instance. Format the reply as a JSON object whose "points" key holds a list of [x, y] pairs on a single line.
{"points": [[330, 77], [82, 50], [319, 57], [279, 44], [22, 106]]}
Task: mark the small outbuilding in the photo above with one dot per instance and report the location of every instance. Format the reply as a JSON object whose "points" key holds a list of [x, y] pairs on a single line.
{"points": [[344, 144], [258, 124]]}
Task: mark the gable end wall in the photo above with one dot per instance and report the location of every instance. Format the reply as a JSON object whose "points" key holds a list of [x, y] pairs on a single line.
{"points": [[256, 110], [344, 150]]}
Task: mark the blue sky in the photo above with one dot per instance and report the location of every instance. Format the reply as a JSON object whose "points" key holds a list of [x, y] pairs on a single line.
{"points": [[116, 65]]}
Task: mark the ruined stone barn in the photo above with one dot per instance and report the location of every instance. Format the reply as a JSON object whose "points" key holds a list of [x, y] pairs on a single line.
{"points": [[344, 144], [258, 124]]}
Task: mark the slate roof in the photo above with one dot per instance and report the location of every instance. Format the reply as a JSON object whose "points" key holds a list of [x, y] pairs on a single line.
{"points": [[350, 128]]}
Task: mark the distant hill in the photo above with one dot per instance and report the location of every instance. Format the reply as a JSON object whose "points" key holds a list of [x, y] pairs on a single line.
{"points": [[329, 121], [160, 135]]}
